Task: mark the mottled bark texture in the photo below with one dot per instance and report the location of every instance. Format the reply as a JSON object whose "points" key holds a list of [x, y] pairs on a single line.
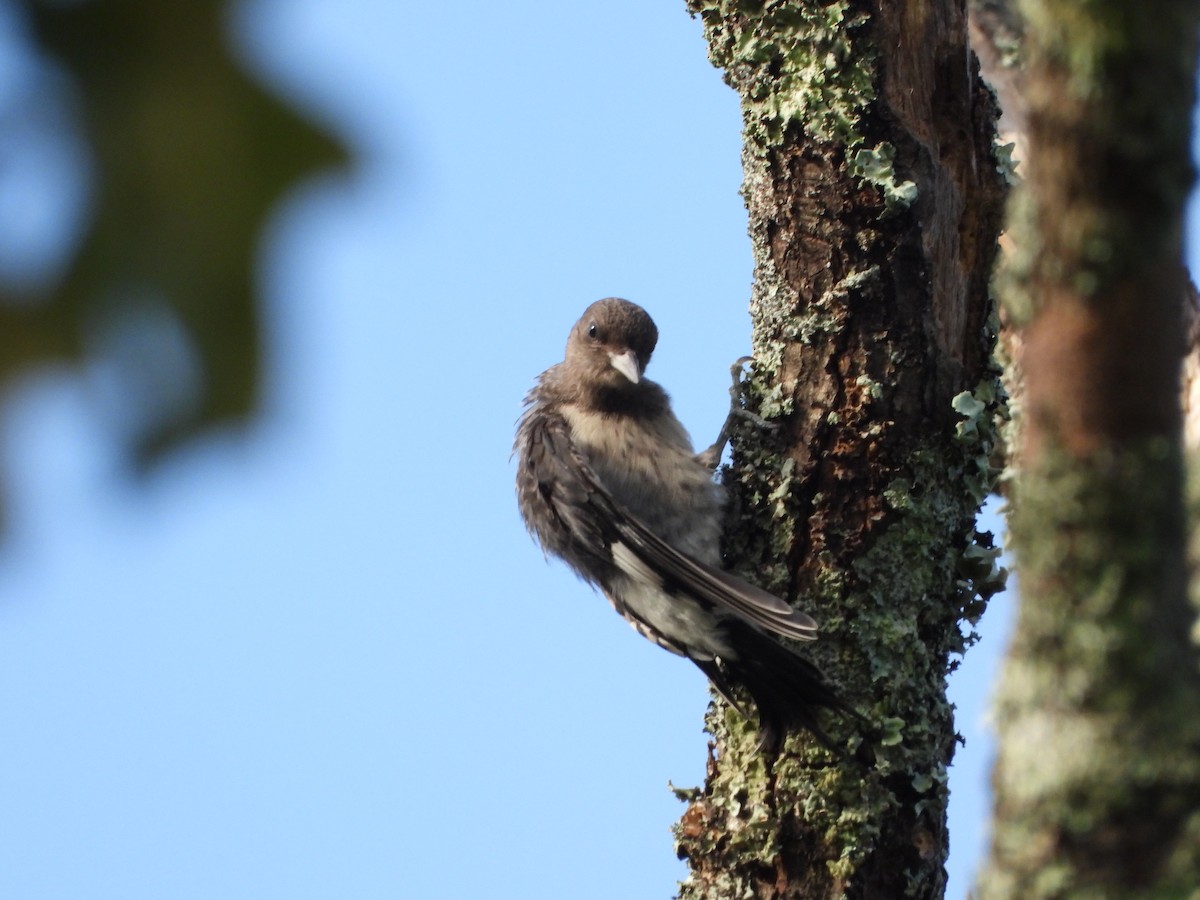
{"points": [[874, 203], [1098, 778], [997, 36]]}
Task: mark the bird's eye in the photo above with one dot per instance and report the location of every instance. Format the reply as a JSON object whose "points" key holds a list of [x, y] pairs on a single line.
{"points": [[594, 332]]}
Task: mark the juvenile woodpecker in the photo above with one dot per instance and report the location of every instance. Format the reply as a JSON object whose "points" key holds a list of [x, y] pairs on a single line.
{"points": [[607, 480]]}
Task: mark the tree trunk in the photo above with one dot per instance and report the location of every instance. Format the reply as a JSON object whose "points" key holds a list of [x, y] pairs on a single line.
{"points": [[874, 204], [1098, 779]]}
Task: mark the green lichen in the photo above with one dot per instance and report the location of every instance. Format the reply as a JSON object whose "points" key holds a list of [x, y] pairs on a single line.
{"points": [[979, 573], [896, 616], [792, 63], [1005, 164], [1099, 706], [769, 499], [875, 166], [804, 69], [777, 316], [891, 731], [898, 495], [973, 410], [870, 387], [739, 801], [901, 633], [983, 411], [807, 75], [1115, 90]]}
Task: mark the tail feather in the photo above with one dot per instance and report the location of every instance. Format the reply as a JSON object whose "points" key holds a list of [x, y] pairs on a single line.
{"points": [[788, 690]]}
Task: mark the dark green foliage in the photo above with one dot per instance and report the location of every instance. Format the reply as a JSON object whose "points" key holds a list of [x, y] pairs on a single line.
{"points": [[189, 156]]}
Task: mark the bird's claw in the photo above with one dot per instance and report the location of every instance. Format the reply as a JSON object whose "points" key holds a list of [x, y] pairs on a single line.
{"points": [[711, 457]]}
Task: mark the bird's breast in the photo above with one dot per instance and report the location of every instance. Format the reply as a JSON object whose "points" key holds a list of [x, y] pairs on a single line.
{"points": [[649, 467]]}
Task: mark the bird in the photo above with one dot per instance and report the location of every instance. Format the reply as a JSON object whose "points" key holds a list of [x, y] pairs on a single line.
{"points": [[608, 481]]}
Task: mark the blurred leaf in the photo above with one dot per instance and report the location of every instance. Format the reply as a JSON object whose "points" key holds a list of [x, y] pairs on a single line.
{"points": [[190, 156]]}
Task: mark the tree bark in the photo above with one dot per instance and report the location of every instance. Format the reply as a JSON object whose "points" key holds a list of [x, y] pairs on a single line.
{"points": [[1098, 778], [874, 205]]}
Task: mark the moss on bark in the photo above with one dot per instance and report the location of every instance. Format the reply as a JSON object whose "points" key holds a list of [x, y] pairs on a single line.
{"points": [[1098, 777], [874, 203]]}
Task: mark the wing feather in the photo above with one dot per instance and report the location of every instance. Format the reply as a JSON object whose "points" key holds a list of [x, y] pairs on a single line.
{"points": [[557, 486]]}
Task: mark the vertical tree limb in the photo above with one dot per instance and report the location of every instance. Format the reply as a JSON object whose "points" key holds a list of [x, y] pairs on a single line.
{"points": [[874, 204], [1098, 780]]}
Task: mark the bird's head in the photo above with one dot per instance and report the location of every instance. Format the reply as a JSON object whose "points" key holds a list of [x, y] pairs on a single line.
{"points": [[611, 344]]}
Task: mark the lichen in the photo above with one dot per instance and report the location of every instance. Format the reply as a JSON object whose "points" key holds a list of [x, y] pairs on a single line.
{"points": [[1005, 164], [884, 552], [1099, 674], [792, 63], [875, 165], [804, 69]]}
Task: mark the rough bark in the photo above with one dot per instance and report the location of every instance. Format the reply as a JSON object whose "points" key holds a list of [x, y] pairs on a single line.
{"points": [[1098, 778], [997, 36], [874, 203]]}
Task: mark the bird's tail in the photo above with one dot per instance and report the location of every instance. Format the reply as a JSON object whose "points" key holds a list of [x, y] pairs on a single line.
{"points": [[788, 690]]}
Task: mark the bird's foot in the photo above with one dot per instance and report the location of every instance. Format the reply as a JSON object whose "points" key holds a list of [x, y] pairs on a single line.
{"points": [[711, 457]]}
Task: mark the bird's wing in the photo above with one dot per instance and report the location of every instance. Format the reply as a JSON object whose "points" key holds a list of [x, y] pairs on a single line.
{"points": [[721, 589], [557, 485], [556, 502]]}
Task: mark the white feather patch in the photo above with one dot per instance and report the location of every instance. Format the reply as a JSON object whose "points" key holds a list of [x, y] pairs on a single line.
{"points": [[680, 620]]}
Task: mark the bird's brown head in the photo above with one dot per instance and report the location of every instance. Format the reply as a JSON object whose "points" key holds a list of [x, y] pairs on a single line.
{"points": [[611, 344]]}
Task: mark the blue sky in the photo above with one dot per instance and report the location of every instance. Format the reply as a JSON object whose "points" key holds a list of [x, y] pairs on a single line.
{"points": [[322, 658]]}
